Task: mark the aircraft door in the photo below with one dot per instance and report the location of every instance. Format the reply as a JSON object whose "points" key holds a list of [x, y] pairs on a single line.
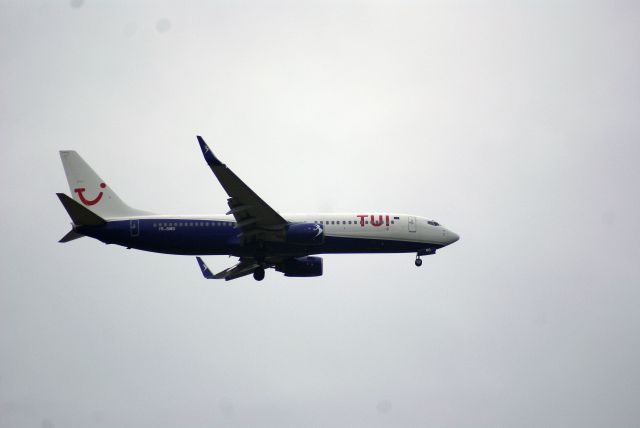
{"points": [[412, 224], [134, 228]]}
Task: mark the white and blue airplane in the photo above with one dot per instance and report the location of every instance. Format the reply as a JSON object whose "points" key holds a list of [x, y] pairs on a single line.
{"points": [[261, 237]]}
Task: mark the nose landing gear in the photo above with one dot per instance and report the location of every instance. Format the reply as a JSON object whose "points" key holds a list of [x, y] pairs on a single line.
{"points": [[258, 274], [424, 252]]}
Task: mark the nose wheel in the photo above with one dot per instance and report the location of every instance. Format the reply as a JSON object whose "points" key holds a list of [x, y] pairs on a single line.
{"points": [[418, 261], [258, 274]]}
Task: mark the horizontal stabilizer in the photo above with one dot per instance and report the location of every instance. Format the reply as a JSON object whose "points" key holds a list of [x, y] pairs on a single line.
{"points": [[70, 236], [80, 215]]}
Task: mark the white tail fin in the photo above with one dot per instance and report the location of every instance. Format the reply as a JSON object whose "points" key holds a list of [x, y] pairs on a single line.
{"points": [[91, 191]]}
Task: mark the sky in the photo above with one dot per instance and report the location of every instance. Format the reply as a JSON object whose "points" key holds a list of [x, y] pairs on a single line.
{"points": [[514, 124]]}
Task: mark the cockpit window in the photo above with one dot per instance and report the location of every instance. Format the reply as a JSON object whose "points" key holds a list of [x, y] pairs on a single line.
{"points": [[433, 223]]}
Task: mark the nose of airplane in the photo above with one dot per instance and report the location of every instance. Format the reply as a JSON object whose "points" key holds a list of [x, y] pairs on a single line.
{"points": [[452, 237]]}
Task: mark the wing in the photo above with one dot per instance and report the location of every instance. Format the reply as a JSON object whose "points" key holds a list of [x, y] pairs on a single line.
{"points": [[254, 217], [242, 268]]}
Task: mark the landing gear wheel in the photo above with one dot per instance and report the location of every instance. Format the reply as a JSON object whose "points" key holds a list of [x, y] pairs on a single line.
{"points": [[418, 261], [258, 274]]}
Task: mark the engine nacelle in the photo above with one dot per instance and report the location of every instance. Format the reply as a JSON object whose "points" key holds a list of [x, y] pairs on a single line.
{"points": [[301, 267], [305, 234]]}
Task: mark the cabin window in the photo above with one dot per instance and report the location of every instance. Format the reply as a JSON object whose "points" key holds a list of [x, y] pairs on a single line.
{"points": [[393, 222], [344, 222]]}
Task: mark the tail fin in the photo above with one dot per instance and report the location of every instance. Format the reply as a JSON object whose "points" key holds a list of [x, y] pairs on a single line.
{"points": [[99, 198]]}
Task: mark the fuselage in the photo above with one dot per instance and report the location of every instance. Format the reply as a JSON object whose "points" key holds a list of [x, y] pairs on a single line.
{"points": [[219, 234]]}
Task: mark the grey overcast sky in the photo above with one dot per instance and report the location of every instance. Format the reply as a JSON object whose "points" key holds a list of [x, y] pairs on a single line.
{"points": [[514, 124]]}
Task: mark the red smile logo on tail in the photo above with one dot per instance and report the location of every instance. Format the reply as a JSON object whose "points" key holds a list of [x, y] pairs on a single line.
{"points": [[80, 191]]}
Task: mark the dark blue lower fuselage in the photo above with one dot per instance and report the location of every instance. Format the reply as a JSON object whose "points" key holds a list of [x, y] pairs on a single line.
{"points": [[206, 237]]}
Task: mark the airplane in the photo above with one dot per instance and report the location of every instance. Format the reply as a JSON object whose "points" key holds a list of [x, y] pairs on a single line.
{"points": [[251, 230]]}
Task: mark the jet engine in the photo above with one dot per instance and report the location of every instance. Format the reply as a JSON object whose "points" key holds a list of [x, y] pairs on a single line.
{"points": [[305, 234], [301, 266]]}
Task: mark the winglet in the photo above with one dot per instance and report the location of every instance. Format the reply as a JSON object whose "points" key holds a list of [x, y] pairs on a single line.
{"points": [[211, 159], [205, 270]]}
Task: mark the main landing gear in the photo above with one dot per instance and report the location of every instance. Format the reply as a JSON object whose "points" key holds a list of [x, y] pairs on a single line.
{"points": [[258, 274], [418, 261]]}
